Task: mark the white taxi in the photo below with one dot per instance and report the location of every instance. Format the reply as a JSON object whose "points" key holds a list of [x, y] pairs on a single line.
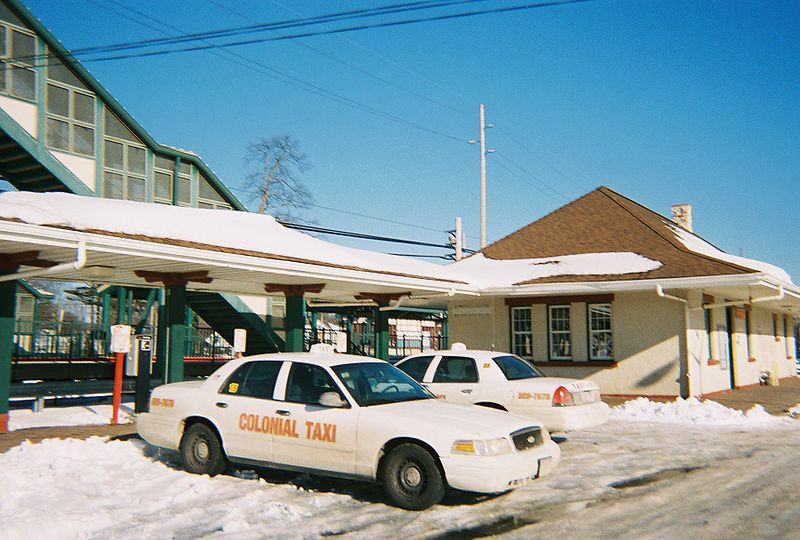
{"points": [[507, 382], [344, 415]]}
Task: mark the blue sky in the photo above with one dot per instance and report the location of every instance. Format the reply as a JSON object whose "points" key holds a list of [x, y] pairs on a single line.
{"points": [[665, 102]]}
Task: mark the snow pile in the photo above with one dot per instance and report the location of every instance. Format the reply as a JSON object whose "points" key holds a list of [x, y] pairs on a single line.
{"points": [[231, 229], [67, 416], [694, 411], [794, 412], [72, 488], [484, 272], [698, 245]]}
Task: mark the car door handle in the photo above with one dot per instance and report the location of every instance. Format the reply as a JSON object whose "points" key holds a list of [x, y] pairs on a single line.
{"points": [[282, 412], [466, 391], [221, 404]]}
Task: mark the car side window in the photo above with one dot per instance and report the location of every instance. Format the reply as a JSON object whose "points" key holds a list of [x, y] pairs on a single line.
{"points": [[253, 379], [416, 367], [308, 382], [456, 369]]}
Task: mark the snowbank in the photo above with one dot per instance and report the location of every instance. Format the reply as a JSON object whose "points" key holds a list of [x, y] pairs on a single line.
{"points": [[485, 273], [67, 416], [698, 245], [694, 411], [232, 229]]}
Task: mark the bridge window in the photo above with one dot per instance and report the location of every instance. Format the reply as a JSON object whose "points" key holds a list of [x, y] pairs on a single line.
{"points": [[208, 197], [70, 119], [124, 162], [17, 57]]}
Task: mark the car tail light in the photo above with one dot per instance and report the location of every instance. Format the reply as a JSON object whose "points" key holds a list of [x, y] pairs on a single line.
{"points": [[562, 397]]}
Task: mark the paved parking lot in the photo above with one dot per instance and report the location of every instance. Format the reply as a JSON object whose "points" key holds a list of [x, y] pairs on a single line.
{"points": [[775, 399]]}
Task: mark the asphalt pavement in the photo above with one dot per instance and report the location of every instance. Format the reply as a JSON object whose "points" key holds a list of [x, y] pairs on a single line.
{"points": [[775, 399]]}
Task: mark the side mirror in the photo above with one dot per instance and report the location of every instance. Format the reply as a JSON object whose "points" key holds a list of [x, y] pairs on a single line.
{"points": [[332, 399]]}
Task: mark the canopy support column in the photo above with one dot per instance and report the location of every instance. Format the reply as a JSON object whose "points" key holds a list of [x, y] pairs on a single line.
{"points": [[8, 307], [295, 321]]}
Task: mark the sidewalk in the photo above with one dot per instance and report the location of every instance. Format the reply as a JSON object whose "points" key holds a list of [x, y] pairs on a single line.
{"points": [[775, 399]]}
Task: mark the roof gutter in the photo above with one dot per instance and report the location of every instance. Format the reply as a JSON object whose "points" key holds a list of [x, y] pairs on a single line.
{"points": [[80, 262]]}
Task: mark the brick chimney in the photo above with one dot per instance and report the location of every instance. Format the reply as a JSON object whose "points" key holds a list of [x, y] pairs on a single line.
{"points": [[682, 215]]}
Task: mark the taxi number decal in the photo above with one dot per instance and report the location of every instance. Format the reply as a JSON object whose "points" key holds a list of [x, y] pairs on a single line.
{"points": [[441, 396], [233, 387], [285, 427], [533, 395], [487, 365], [162, 402]]}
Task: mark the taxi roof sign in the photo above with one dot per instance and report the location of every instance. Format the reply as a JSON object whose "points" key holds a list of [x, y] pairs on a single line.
{"points": [[322, 348], [458, 346]]}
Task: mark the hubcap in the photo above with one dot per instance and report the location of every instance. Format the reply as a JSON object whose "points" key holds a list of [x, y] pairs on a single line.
{"points": [[411, 477], [201, 450]]}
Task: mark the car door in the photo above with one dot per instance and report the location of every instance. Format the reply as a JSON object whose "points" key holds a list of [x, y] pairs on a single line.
{"points": [[454, 378], [245, 407], [321, 437]]}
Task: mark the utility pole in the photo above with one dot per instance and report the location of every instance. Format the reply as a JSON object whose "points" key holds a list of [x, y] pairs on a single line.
{"points": [[483, 127], [458, 239]]}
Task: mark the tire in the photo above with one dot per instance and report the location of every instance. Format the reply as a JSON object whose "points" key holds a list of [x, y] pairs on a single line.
{"points": [[411, 478], [201, 451]]}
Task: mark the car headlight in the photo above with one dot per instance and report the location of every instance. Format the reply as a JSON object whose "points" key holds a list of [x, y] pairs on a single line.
{"points": [[488, 447]]}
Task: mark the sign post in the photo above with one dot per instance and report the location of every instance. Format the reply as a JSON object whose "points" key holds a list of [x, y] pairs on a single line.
{"points": [[120, 346], [144, 355], [239, 341]]}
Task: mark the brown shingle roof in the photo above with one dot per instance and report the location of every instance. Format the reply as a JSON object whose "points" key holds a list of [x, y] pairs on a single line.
{"points": [[603, 221]]}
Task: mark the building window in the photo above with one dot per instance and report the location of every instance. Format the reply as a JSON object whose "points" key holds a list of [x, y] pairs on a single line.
{"points": [[748, 339], [17, 58], [786, 336], [709, 322], [600, 335], [70, 119], [208, 197], [521, 335], [124, 159], [559, 330]]}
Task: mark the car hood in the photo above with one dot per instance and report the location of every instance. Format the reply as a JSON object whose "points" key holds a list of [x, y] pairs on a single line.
{"points": [[449, 419]]}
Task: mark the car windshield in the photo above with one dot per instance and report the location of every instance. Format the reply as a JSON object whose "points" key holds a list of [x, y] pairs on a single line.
{"points": [[376, 383], [515, 368]]}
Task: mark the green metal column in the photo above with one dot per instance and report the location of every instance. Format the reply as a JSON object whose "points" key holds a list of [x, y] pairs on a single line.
{"points": [[295, 323], [121, 309], [8, 308], [381, 334], [349, 330], [160, 366], [314, 336], [176, 331]]}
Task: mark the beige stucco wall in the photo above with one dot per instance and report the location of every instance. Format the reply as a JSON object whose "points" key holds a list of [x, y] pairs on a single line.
{"points": [[647, 332], [82, 167]]}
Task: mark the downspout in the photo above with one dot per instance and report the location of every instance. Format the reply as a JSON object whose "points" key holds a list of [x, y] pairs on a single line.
{"points": [[660, 292], [80, 262]]}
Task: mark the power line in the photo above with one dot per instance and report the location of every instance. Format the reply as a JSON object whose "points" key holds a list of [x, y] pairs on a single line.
{"points": [[363, 236], [295, 82], [351, 65], [385, 24], [531, 175]]}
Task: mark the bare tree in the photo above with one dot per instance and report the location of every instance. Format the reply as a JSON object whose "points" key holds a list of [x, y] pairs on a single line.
{"points": [[275, 179]]}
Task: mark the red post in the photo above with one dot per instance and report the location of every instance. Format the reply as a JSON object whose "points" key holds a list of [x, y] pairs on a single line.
{"points": [[117, 399]]}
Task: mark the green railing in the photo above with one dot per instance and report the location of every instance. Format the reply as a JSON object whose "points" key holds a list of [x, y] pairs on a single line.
{"points": [[44, 340], [400, 345]]}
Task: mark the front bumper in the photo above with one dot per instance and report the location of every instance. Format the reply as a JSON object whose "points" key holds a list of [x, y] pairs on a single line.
{"points": [[494, 474], [159, 430]]}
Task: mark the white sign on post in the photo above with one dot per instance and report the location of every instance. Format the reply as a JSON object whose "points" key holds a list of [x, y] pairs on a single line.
{"points": [[239, 340], [121, 338]]}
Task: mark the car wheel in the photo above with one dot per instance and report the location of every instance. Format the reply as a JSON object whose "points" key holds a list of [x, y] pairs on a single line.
{"points": [[411, 478], [201, 451]]}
